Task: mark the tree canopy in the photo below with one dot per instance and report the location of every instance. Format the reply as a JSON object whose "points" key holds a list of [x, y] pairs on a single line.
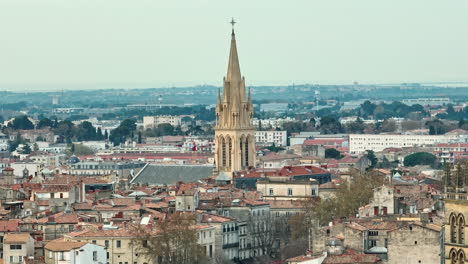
{"points": [[125, 130], [21, 122], [420, 158]]}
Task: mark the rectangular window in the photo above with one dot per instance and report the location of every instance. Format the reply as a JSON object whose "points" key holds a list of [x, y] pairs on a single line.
{"points": [[61, 255], [12, 259], [271, 191], [20, 259], [290, 192], [15, 247], [106, 243], [94, 255], [50, 254], [94, 242], [119, 243], [313, 192]]}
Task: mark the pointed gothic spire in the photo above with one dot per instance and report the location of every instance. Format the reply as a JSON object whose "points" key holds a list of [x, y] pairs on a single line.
{"points": [[233, 72]]}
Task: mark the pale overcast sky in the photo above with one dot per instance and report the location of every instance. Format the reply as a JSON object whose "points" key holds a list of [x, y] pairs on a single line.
{"points": [[86, 44]]}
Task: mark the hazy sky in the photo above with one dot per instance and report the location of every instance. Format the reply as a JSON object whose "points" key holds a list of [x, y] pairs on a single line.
{"points": [[74, 44]]}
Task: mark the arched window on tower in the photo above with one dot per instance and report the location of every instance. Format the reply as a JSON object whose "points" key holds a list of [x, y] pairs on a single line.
{"points": [[453, 256], [461, 229], [246, 151], [461, 256], [223, 152], [230, 152], [453, 229]]}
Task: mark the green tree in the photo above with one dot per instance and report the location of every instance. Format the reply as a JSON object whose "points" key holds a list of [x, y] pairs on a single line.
{"points": [[99, 135], [332, 153], [139, 137], [45, 122], [26, 149], [356, 127], [436, 127], [125, 130], [330, 125], [371, 156], [80, 149], [420, 158], [21, 122]]}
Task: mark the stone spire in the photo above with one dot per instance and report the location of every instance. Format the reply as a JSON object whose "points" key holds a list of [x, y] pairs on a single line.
{"points": [[233, 72]]}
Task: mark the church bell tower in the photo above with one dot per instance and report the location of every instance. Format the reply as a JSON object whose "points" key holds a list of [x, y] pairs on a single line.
{"points": [[234, 131]]}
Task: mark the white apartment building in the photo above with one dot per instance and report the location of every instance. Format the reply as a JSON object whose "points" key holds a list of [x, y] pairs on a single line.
{"points": [[272, 122], [270, 137], [360, 143], [427, 101], [154, 121]]}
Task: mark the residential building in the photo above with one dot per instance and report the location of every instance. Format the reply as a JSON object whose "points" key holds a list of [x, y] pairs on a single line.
{"points": [[118, 244], [434, 101], [71, 252], [266, 138], [150, 122], [248, 179], [360, 143], [451, 152], [17, 247], [226, 234], [285, 188]]}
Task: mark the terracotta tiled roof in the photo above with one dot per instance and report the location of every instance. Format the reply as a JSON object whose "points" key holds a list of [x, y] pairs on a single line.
{"points": [[103, 233], [60, 218], [62, 245], [157, 205], [9, 225], [210, 218], [285, 171], [16, 238], [351, 257]]}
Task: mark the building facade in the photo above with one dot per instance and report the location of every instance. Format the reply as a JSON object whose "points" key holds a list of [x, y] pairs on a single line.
{"points": [[360, 143], [234, 131], [279, 138], [153, 121]]}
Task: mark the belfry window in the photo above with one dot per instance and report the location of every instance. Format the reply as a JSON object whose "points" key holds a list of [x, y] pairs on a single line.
{"points": [[246, 151], [223, 153]]}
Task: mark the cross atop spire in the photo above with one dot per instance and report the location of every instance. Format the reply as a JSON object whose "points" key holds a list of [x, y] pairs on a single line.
{"points": [[233, 72], [232, 23]]}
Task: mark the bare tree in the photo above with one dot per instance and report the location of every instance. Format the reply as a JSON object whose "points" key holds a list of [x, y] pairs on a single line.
{"points": [[173, 241]]}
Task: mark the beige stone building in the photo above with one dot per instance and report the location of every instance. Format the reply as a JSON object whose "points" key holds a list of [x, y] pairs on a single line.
{"points": [[234, 131], [17, 247], [285, 188], [117, 243]]}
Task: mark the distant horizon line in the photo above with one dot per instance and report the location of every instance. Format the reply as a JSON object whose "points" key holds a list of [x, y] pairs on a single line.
{"points": [[442, 84]]}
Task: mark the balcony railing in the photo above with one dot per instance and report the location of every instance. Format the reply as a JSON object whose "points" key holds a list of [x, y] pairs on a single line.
{"points": [[455, 193]]}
